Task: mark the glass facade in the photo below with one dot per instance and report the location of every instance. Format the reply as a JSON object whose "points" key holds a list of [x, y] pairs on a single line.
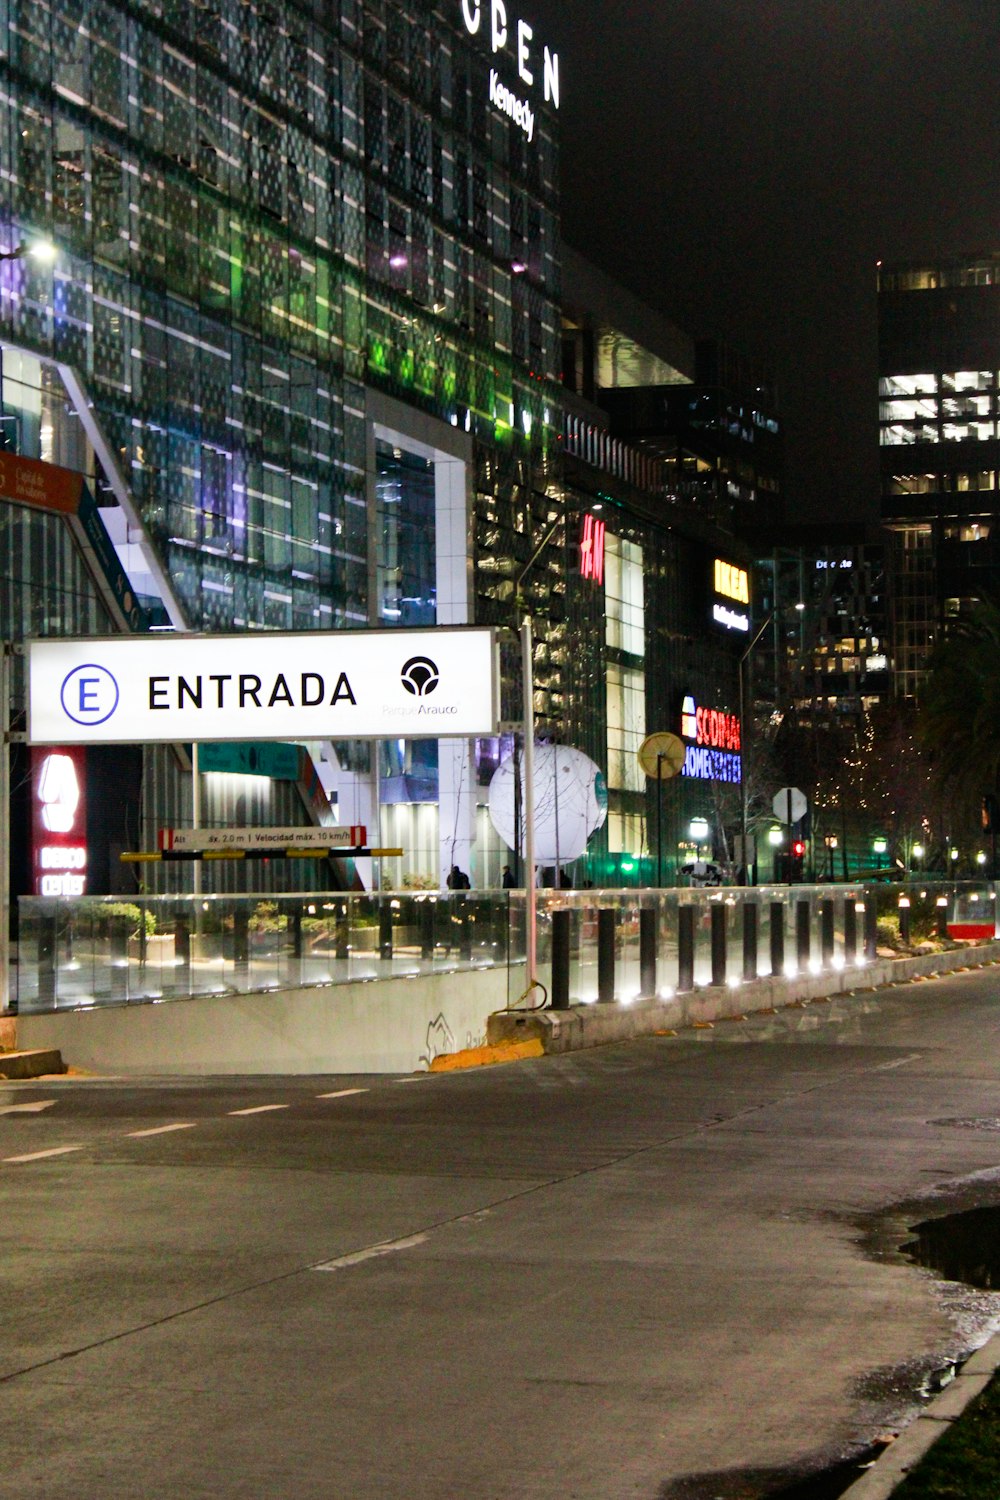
{"points": [[939, 409], [260, 209]]}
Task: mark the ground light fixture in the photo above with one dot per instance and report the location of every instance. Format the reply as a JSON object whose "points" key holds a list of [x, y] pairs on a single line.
{"points": [[698, 829], [917, 851], [880, 844], [775, 837], [981, 857]]}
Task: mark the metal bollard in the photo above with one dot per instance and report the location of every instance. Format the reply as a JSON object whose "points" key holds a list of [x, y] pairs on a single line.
{"points": [[385, 931], [427, 910], [826, 926], [342, 940], [871, 929], [47, 949], [118, 945], [850, 931], [803, 934], [751, 917], [685, 949], [776, 923], [466, 927], [718, 943], [606, 916], [647, 950], [941, 926], [295, 944], [241, 944], [182, 954], [559, 993], [904, 918]]}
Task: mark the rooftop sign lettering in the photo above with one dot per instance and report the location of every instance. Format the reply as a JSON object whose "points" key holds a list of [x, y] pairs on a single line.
{"points": [[516, 38]]}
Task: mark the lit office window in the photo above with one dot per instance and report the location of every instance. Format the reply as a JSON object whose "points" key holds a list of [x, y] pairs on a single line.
{"points": [[626, 693], [623, 596]]}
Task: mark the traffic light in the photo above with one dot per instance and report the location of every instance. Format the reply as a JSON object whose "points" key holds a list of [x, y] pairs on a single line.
{"points": [[796, 857]]}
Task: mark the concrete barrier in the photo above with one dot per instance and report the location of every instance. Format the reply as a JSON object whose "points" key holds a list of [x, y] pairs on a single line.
{"points": [[404, 1024], [599, 1024]]}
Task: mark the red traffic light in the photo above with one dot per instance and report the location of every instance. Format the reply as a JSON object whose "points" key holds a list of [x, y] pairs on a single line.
{"points": [[798, 849]]}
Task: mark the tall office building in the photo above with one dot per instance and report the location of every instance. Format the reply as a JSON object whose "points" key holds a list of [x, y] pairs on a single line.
{"points": [[939, 366]]}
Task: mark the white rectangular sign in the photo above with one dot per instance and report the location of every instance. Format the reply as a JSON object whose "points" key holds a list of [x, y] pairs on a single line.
{"points": [[344, 685], [192, 840]]}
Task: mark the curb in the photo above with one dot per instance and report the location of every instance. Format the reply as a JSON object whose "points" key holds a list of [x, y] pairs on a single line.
{"points": [[602, 1023], [484, 1057], [31, 1064], [916, 1440]]}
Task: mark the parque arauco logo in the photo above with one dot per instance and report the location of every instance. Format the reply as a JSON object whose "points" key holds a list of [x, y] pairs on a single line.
{"points": [[420, 676]]}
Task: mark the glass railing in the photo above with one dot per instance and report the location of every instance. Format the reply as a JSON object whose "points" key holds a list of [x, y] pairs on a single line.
{"points": [[592, 945]]}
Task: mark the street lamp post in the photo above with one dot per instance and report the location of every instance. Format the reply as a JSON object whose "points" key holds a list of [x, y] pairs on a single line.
{"points": [[745, 749], [41, 250], [531, 980]]}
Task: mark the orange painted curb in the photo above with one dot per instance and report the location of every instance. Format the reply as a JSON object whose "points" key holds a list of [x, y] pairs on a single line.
{"points": [[483, 1057]]}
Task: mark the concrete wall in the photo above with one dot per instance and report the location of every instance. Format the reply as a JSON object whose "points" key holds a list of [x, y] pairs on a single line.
{"points": [[387, 1027]]}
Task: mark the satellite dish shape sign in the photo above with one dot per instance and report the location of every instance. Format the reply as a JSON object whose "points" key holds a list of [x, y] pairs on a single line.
{"points": [[571, 802]]}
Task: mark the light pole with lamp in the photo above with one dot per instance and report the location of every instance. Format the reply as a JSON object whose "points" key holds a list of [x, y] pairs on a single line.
{"points": [[745, 750], [532, 982]]}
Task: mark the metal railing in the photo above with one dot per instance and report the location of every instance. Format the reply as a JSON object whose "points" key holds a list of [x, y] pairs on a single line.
{"points": [[592, 945]]}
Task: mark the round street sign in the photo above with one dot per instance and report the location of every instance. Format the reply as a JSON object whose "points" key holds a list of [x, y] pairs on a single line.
{"points": [[661, 755], [790, 804]]}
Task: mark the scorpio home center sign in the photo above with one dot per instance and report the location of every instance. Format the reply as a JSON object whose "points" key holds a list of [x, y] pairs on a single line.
{"points": [[410, 684]]}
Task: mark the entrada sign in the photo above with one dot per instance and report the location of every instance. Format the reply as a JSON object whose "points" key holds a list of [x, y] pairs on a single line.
{"points": [[416, 684]]}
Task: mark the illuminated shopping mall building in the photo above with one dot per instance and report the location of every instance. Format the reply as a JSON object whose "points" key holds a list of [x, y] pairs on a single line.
{"points": [[303, 338], [939, 367]]}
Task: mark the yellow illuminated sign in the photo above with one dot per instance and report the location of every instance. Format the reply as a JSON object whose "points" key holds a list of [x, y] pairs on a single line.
{"points": [[732, 582]]}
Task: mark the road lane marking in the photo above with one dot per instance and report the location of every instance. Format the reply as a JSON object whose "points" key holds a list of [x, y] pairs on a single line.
{"points": [[33, 1108], [162, 1129], [341, 1093], [899, 1062], [37, 1155], [416, 1078], [387, 1247], [257, 1109]]}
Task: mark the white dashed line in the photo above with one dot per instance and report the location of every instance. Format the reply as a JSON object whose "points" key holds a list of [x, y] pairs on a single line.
{"points": [[388, 1247], [37, 1155], [35, 1107], [415, 1078], [162, 1129], [257, 1109], [341, 1093]]}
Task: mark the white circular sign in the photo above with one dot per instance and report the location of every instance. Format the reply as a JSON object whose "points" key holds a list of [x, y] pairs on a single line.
{"points": [[571, 801]]}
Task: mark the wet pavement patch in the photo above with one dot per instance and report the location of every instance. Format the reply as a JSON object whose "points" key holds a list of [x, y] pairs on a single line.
{"points": [[772, 1484], [960, 1247]]}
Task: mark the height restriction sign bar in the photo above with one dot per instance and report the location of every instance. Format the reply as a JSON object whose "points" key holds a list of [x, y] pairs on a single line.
{"points": [[350, 685]]}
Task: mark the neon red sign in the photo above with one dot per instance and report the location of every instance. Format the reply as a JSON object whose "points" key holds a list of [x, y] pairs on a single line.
{"points": [[592, 548], [710, 726], [59, 820]]}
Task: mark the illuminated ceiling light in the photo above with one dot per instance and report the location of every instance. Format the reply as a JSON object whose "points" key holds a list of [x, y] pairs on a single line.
{"points": [[518, 267], [397, 262]]}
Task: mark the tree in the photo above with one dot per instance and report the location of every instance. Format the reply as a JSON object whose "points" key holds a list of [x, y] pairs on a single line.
{"points": [[959, 720]]}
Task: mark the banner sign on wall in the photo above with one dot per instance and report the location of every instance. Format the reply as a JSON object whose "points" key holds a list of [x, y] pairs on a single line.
{"points": [[344, 685], [59, 820]]}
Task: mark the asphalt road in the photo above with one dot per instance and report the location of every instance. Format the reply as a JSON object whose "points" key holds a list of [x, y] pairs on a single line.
{"points": [[665, 1270]]}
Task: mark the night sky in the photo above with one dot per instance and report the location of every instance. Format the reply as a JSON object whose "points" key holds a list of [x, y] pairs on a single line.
{"points": [[744, 163]]}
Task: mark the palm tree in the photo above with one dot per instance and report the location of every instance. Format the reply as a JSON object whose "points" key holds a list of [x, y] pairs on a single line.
{"points": [[960, 704]]}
